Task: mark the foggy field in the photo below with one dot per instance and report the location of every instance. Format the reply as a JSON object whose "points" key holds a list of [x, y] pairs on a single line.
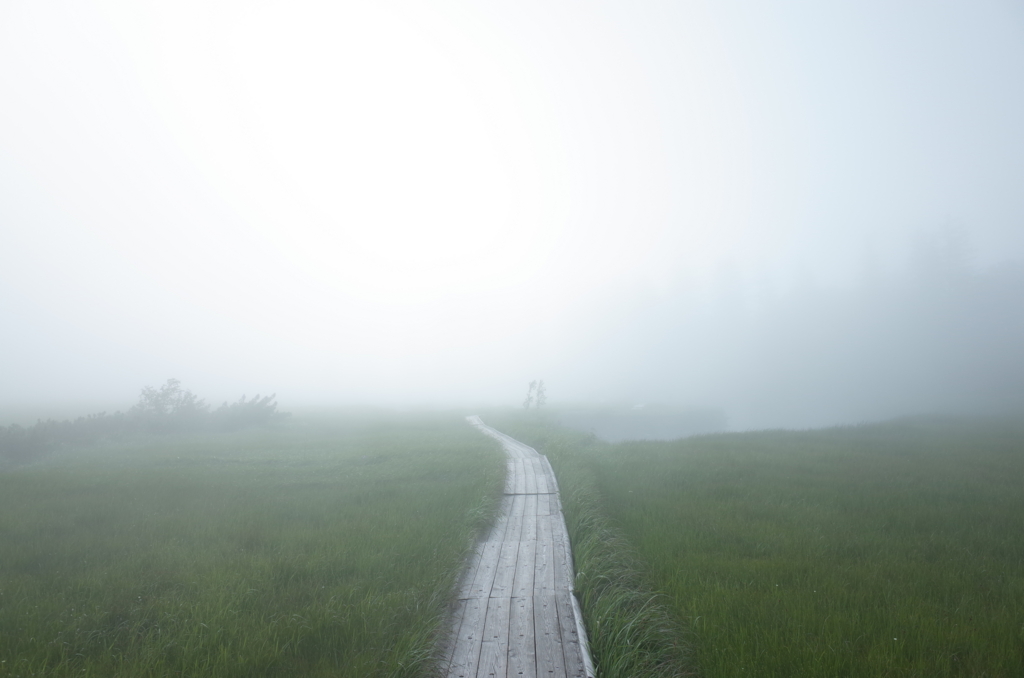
{"points": [[884, 550], [686, 220], [327, 547]]}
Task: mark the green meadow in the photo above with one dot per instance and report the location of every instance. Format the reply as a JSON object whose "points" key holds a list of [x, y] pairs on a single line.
{"points": [[329, 547], [894, 549], [323, 547]]}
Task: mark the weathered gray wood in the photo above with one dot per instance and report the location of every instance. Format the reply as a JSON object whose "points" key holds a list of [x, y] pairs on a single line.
{"points": [[541, 474], [520, 477], [447, 646], [560, 534], [505, 570], [486, 570], [559, 529], [544, 529], [531, 501], [466, 655], [561, 553], [465, 589], [551, 475], [522, 586], [543, 504], [550, 659], [516, 617], [510, 476], [530, 474], [522, 653], [516, 518], [530, 522], [571, 651], [497, 530], [512, 447], [494, 645], [543, 569]]}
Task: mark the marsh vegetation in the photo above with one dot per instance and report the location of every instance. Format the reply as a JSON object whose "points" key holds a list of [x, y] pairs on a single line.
{"points": [[887, 549], [324, 548]]}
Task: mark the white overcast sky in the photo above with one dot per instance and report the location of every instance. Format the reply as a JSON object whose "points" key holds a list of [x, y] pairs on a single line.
{"points": [[409, 202]]}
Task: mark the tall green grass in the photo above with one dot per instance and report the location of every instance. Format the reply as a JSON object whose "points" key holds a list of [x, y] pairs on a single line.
{"points": [[895, 549], [883, 550], [324, 548]]}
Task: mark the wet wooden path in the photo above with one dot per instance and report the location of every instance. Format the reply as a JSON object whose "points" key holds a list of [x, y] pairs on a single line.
{"points": [[516, 615]]}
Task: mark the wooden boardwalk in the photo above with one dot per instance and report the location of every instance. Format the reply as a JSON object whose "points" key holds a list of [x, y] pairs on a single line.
{"points": [[516, 615]]}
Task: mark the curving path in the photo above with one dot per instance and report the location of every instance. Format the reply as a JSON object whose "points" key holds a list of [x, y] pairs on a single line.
{"points": [[516, 615]]}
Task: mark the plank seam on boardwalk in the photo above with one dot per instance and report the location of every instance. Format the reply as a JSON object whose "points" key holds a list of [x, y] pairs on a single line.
{"points": [[516, 614]]}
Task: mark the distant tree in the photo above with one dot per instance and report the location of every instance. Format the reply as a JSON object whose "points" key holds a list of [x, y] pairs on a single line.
{"points": [[167, 409], [542, 394], [169, 400], [248, 412], [529, 395]]}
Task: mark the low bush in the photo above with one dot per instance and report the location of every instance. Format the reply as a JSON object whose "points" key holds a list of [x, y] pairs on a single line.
{"points": [[168, 409]]}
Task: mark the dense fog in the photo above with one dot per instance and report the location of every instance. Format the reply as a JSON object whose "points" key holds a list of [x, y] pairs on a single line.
{"points": [[751, 214]]}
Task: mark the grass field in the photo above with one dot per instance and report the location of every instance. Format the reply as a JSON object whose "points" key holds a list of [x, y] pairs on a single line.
{"points": [[885, 550], [325, 548]]}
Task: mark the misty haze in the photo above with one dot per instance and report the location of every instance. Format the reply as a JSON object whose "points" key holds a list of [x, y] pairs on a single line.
{"points": [[731, 294]]}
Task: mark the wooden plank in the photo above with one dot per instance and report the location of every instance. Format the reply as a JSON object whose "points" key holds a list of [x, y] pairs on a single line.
{"points": [[466, 655], [543, 569], [564, 528], [508, 452], [571, 652], [518, 618], [509, 444], [522, 585], [552, 480], [544, 572], [529, 514], [541, 474], [516, 448], [522, 652], [485, 571], [550, 658], [465, 589], [561, 553], [556, 503], [505, 570], [530, 473], [494, 646], [500, 526], [520, 487], [543, 504], [510, 476], [458, 611], [559, 530], [529, 532], [544, 528], [516, 518]]}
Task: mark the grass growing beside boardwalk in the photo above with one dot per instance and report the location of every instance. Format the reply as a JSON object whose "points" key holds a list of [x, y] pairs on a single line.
{"points": [[885, 550], [630, 628], [895, 549], [325, 548]]}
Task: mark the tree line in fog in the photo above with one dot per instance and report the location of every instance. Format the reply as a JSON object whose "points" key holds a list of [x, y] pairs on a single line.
{"points": [[163, 410]]}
